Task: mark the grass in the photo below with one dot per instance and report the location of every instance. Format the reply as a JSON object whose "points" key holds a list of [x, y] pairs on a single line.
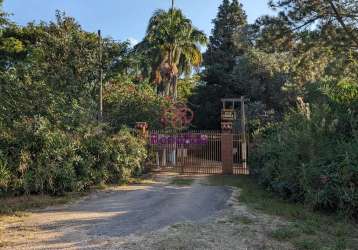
{"points": [[137, 181], [284, 233], [18, 205], [182, 181], [244, 220], [307, 229]]}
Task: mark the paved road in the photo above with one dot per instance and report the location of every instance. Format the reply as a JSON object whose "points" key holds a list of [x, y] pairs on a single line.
{"points": [[121, 212]]}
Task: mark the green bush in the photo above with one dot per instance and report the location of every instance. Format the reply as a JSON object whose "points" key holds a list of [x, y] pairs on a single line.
{"points": [[127, 103], [124, 155], [311, 156], [40, 158], [5, 174], [89, 166]]}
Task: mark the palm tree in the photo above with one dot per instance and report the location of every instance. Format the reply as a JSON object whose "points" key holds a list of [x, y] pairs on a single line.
{"points": [[173, 44]]}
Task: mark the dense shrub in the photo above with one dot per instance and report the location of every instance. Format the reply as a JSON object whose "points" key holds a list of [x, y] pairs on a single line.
{"points": [[50, 139], [40, 158], [312, 156], [123, 155], [127, 103], [5, 174]]}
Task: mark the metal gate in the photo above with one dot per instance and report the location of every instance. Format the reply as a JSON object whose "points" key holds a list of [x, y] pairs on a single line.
{"points": [[192, 152]]}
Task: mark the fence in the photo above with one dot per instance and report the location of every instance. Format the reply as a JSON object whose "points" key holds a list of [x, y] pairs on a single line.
{"points": [[194, 151]]}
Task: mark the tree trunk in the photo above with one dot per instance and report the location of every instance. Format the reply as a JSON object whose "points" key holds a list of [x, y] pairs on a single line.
{"points": [[167, 88], [174, 84]]}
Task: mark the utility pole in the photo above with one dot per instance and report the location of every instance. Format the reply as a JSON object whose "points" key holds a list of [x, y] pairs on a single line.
{"points": [[171, 57], [100, 117]]}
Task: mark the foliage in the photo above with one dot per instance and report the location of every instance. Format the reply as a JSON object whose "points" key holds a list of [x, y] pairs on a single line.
{"points": [[5, 174], [259, 76], [126, 104], [331, 18], [44, 159], [228, 41], [311, 156], [174, 44], [55, 75], [206, 104], [186, 87], [50, 139], [125, 156]]}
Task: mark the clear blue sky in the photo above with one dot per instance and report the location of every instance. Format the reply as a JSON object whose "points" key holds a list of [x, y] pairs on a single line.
{"points": [[122, 19]]}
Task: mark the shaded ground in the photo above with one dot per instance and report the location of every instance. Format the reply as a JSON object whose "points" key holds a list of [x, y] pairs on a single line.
{"points": [[157, 216]]}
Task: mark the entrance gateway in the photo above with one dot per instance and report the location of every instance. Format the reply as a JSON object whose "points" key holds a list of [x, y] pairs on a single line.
{"points": [[202, 151]]}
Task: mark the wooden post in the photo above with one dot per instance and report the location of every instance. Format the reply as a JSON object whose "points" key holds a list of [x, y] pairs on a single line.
{"points": [[101, 78], [142, 128]]}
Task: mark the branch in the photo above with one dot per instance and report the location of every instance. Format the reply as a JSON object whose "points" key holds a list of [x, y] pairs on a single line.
{"points": [[307, 23], [340, 20]]}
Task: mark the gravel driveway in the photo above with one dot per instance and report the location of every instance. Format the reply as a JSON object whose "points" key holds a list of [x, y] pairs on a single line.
{"points": [[116, 213], [148, 217]]}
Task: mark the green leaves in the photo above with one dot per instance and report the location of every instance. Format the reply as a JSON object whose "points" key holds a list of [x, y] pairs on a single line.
{"points": [[228, 42], [322, 16], [345, 92], [174, 43], [5, 174], [314, 159], [49, 135], [12, 45], [126, 104]]}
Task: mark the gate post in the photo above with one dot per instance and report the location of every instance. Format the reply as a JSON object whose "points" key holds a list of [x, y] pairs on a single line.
{"points": [[227, 148], [142, 128], [243, 138]]}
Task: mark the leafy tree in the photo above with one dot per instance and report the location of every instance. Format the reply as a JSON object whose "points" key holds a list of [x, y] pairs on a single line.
{"points": [[173, 43], [262, 77], [186, 86], [56, 72], [126, 103], [50, 141]]}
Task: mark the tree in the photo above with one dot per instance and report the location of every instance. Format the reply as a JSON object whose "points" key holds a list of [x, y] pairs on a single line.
{"points": [[2, 15], [55, 73], [263, 75], [318, 37], [322, 15], [272, 34], [227, 42], [174, 44]]}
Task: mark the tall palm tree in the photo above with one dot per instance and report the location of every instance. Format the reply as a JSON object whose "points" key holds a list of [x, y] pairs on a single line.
{"points": [[173, 44]]}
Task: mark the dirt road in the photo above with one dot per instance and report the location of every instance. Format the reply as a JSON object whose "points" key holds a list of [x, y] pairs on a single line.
{"points": [[156, 216]]}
